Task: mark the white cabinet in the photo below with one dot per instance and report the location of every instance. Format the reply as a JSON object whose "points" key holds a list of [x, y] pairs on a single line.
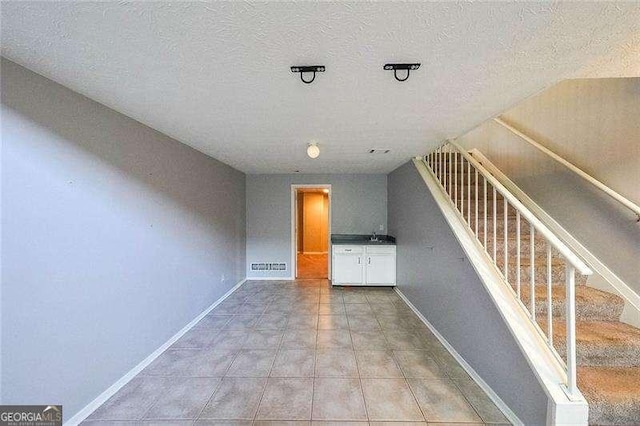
{"points": [[348, 264], [364, 265], [381, 265]]}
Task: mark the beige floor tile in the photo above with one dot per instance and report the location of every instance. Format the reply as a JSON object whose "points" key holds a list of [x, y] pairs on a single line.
{"points": [[331, 309], [358, 309], [272, 321], [363, 322], [198, 337], [291, 335], [336, 363], [252, 363], [480, 401], [401, 424], [230, 339], [242, 322], [418, 364], [377, 364], [286, 399], [368, 339], [263, 339], [184, 399], [332, 322], [132, 401], [328, 339], [390, 400], [303, 321], [294, 363], [441, 401], [235, 399], [299, 339], [338, 400]]}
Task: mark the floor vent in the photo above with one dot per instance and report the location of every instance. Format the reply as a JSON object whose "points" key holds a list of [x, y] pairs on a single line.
{"points": [[269, 266]]}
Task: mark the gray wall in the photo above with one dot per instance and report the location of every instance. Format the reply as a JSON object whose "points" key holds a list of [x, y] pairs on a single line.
{"points": [[114, 238], [358, 206], [436, 277], [593, 124]]}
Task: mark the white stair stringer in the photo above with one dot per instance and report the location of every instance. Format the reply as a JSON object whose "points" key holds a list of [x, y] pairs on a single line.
{"points": [[546, 367]]}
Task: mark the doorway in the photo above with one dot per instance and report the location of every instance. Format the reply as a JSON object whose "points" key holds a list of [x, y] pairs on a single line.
{"points": [[312, 230]]}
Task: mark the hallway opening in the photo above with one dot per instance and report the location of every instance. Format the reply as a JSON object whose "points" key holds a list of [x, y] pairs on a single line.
{"points": [[312, 231]]}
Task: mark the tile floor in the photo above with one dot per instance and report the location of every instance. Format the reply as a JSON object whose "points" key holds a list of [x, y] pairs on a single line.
{"points": [[301, 352]]}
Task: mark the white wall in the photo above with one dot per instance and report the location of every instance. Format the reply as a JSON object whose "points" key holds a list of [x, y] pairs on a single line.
{"points": [[594, 124], [114, 238], [358, 206]]}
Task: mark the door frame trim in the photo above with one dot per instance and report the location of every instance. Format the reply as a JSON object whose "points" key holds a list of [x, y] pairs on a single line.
{"points": [[294, 218]]}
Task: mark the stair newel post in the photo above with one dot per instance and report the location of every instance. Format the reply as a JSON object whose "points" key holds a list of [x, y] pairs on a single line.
{"points": [[549, 298], [572, 386]]}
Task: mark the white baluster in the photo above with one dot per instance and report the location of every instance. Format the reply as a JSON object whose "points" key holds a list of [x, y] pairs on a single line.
{"points": [[549, 298], [495, 226], [462, 186], [571, 329], [476, 176], [485, 215], [455, 179], [450, 172], [505, 228], [532, 253], [469, 193], [518, 253]]}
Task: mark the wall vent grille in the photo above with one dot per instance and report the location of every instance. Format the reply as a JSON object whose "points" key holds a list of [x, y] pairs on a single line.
{"points": [[268, 266]]}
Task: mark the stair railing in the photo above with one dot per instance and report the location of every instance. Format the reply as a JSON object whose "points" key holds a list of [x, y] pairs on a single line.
{"points": [[452, 167], [584, 175]]}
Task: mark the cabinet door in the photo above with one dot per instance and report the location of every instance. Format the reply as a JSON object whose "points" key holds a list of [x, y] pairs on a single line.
{"points": [[381, 269], [348, 269]]}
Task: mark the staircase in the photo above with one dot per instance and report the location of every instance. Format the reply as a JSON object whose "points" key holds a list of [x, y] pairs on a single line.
{"points": [[607, 350]]}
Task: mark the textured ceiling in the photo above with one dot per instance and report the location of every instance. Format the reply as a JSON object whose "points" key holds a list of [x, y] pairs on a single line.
{"points": [[216, 75]]}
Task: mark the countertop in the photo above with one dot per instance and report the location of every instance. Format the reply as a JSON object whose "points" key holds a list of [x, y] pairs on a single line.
{"points": [[344, 239]]}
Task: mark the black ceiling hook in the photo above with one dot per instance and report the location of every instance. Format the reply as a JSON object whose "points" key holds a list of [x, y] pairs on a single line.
{"points": [[308, 68], [396, 67]]}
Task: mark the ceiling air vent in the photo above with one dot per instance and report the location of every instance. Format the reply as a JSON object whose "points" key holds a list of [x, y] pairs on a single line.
{"points": [[379, 151], [268, 266]]}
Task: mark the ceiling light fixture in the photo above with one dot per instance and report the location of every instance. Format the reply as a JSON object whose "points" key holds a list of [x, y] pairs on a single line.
{"points": [[396, 67], [313, 151], [307, 68]]}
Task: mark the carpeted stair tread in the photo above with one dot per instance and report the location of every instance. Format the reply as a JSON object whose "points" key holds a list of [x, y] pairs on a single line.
{"points": [[613, 394], [600, 343], [591, 304]]}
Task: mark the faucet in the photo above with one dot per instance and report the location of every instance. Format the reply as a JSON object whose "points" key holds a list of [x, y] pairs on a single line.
{"points": [[374, 237]]}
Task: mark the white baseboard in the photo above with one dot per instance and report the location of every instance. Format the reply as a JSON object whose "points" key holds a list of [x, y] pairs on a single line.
{"points": [[509, 414], [270, 279], [104, 396]]}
